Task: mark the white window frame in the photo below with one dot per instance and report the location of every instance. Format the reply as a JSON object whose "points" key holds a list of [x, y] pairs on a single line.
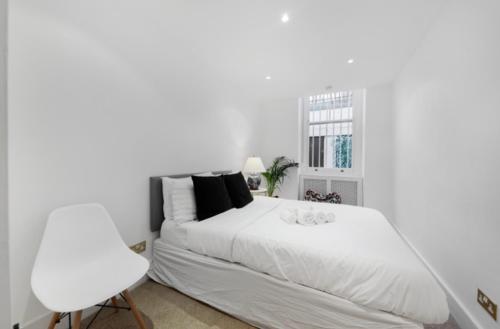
{"points": [[358, 115]]}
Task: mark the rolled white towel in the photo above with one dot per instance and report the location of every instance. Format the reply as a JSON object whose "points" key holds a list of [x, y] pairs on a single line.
{"points": [[320, 217], [306, 217], [289, 216], [330, 217]]}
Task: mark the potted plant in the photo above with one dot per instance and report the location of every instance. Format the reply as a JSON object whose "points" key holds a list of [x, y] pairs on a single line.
{"points": [[276, 173]]}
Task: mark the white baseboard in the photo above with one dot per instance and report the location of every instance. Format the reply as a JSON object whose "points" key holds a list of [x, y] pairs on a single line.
{"points": [[42, 321], [461, 315]]}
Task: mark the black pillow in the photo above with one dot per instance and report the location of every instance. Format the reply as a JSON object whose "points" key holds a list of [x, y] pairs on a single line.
{"points": [[211, 196], [238, 190]]}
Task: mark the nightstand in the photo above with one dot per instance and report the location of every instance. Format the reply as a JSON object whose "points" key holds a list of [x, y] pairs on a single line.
{"points": [[260, 192]]}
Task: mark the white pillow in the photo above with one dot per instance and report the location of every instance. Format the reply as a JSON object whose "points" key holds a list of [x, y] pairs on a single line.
{"points": [[207, 174], [186, 200], [183, 204], [168, 186]]}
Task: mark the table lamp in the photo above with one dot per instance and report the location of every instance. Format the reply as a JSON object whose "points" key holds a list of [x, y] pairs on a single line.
{"points": [[253, 167]]}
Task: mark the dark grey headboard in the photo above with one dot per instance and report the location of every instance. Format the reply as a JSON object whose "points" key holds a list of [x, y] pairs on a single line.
{"points": [[156, 216]]}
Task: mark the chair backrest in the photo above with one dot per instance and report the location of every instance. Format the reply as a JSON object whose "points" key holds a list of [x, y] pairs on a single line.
{"points": [[76, 234]]}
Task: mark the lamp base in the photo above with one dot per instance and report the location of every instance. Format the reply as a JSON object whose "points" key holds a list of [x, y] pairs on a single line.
{"points": [[253, 181]]}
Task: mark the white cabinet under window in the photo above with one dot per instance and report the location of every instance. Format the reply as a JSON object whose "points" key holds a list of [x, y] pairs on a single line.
{"points": [[350, 189]]}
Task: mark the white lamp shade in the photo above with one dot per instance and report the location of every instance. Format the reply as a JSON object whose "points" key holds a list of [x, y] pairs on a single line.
{"points": [[254, 165]]}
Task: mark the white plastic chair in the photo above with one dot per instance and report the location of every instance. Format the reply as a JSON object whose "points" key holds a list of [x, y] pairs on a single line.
{"points": [[82, 261]]}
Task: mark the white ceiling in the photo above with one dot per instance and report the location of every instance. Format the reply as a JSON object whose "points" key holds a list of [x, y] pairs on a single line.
{"points": [[229, 46]]}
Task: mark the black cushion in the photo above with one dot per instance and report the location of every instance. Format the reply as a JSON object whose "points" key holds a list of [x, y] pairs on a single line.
{"points": [[211, 196], [238, 190]]}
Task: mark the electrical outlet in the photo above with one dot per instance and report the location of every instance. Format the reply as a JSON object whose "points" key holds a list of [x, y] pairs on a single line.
{"points": [[139, 247], [487, 304]]}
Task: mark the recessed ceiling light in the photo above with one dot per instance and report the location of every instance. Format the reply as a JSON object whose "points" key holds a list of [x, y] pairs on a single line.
{"points": [[285, 18], [350, 61], [268, 77]]}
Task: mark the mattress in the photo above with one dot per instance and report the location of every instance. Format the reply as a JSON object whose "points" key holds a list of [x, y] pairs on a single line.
{"points": [[260, 299], [359, 257]]}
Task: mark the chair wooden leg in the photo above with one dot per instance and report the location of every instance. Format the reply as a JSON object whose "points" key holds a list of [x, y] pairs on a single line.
{"points": [[115, 303], [77, 320], [53, 320], [135, 311]]}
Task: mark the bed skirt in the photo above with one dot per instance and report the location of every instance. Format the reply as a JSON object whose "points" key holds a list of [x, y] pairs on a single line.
{"points": [[259, 299]]}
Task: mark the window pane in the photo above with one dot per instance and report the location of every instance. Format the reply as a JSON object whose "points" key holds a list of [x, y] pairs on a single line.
{"points": [[345, 113], [338, 113], [343, 151], [330, 130], [317, 154]]}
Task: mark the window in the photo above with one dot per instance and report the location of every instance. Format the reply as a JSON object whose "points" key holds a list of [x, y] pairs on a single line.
{"points": [[333, 132]]}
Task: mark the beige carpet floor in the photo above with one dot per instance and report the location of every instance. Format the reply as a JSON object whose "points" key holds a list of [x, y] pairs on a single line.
{"points": [[166, 308]]}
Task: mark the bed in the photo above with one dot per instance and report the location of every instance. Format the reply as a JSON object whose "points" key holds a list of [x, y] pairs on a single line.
{"points": [[353, 273]]}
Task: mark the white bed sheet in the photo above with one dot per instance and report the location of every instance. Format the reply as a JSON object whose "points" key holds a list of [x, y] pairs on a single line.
{"points": [[359, 257], [260, 299], [174, 233], [233, 220]]}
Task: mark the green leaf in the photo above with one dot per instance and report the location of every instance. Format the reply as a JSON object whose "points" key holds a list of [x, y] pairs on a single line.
{"points": [[276, 173]]}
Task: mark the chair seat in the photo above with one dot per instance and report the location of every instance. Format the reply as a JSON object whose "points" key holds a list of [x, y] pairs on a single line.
{"points": [[88, 282]]}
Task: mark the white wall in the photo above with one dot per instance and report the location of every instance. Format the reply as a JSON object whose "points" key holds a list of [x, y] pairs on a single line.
{"points": [[4, 246], [91, 119], [279, 135], [447, 152], [378, 183]]}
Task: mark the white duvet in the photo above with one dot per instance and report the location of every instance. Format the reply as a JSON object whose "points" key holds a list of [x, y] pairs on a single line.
{"points": [[359, 257]]}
